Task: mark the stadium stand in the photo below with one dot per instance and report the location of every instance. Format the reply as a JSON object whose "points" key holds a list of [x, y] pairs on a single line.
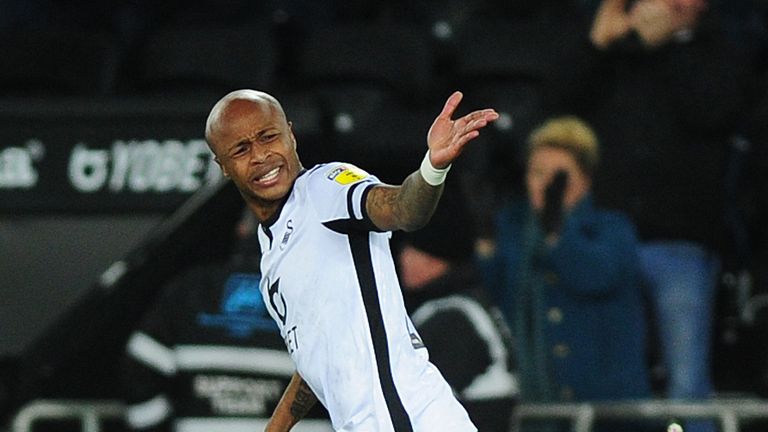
{"points": [[208, 60], [359, 82], [372, 81], [57, 63]]}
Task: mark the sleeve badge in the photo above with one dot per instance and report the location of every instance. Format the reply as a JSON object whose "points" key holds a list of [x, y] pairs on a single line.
{"points": [[346, 174]]}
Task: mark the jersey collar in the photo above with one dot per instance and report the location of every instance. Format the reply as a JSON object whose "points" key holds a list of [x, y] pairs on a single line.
{"points": [[267, 224]]}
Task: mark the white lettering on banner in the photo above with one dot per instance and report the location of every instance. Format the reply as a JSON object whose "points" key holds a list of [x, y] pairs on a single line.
{"points": [[144, 166], [17, 168], [88, 168], [230, 395]]}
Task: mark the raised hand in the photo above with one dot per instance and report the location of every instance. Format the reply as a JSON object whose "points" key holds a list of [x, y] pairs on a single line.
{"points": [[611, 23], [654, 21], [447, 137], [657, 21]]}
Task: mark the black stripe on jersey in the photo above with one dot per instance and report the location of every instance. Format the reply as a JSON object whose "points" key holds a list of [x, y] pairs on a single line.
{"points": [[357, 231], [364, 209], [350, 204], [365, 223], [361, 255], [347, 226]]}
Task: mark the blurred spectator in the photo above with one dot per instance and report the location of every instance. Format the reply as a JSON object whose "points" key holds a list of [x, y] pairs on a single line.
{"points": [[664, 88], [566, 276], [207, 356], [466, 338]]}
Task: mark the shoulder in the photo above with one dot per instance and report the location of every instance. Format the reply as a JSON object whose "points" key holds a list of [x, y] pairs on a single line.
{"points": [[456, 305], [327, 183], [612, 217], [335, 190], [614, 222], [589, 211], [335, 175]]}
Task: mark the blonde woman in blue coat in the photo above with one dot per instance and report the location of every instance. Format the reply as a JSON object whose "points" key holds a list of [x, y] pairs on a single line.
{"points": [[565, 274]]}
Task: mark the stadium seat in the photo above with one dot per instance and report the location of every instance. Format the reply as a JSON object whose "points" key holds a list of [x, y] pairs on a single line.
{"points": [[502, 63], [303, 110], [369, 128], [504, 48], [191, 60], [372, 81], [393, 57], [520, 105], [57, 63]]}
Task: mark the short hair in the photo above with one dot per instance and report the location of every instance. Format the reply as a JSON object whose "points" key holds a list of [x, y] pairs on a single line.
{"points": [[569, 133]]}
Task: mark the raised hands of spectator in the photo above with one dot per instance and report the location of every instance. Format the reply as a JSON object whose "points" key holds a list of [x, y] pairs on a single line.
{"points": [[687, 12], [654, 21], [610, 24], [657, 21]]}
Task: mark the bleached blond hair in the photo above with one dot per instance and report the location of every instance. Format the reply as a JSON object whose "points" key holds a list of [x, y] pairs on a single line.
{"points": [[569, 133]]}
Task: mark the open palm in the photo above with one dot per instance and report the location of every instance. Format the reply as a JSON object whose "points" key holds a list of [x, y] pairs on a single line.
{"points": [[447, 137]]}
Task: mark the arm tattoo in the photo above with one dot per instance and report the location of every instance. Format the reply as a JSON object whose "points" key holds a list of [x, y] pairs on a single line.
{"points": [[418, 200], [406, 207], [382, 200], [303, 401]]}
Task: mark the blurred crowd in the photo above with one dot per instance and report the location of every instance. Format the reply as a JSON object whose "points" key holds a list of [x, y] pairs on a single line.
{"points": [[582, 250]]}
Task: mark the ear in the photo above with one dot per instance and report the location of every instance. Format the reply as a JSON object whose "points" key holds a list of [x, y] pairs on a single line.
{"points": [[223, 170], [290, 129]]}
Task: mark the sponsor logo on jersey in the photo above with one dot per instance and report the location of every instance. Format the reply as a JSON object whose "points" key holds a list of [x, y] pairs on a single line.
{"points": [[242, 310], [346, 174], [416, 341]]}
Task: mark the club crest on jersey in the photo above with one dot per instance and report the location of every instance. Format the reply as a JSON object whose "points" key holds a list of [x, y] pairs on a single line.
{"points": [[287, 235], [346, 174]]}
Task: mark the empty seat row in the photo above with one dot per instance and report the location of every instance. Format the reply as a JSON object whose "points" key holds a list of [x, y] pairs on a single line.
{"points": [[369, 127], [399, 57]]}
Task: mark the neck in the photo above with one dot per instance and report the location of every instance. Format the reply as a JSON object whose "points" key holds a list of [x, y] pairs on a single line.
{"points": [[265, 212]]}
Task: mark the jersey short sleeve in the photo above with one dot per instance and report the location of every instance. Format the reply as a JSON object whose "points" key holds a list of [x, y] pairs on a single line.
{"points": [[338, 192]]}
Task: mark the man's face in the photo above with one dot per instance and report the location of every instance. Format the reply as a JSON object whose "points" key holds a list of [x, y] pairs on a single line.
{"points": [[256, 148], [543, 163]]}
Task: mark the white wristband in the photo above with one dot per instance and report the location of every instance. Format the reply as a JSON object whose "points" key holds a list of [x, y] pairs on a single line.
{"points": [[432, 175]]}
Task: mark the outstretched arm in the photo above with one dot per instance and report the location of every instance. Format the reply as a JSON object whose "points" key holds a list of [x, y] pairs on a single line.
{"points": [[410, 205], [296, 402]]}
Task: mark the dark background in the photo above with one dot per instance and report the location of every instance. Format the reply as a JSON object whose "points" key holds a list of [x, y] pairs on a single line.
{"points": [[360, 81]]}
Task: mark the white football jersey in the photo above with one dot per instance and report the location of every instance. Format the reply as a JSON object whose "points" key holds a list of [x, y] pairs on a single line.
{"points": [[329, 281]]}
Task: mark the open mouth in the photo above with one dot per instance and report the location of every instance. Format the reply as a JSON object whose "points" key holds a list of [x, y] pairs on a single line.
{"points": [[268, 177]]}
